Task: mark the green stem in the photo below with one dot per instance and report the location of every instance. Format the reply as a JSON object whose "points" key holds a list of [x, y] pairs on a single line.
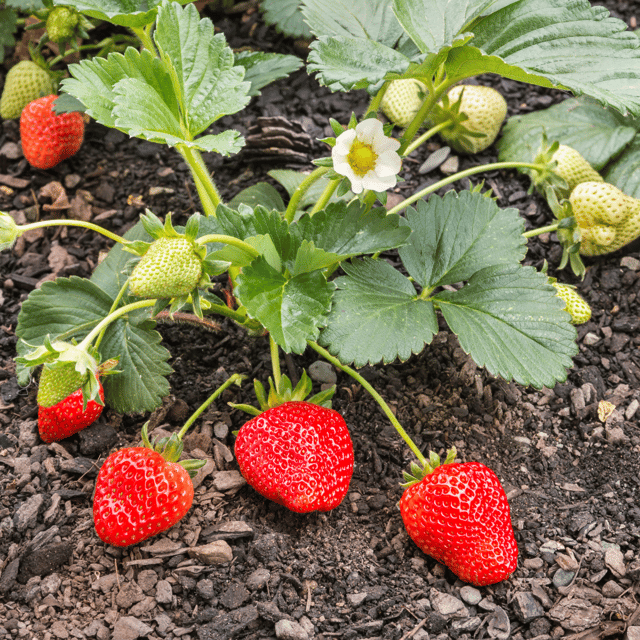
{"points": [[463, 174], [114, 306], [222, 310], [536, 232], [236, 378], [432, 98], [114, 315], [425, 136], [230, 240], [145, 38], [207, 190], [275, 362], [375, 395], [302, 188], [87, 47], [374, 105], [72, 223], [326, 196]]}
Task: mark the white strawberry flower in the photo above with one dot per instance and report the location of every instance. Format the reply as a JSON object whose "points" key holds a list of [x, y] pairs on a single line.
{"points": [[367, 157]]}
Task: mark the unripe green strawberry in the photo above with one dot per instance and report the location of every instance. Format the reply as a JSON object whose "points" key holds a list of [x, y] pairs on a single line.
{"points": [[169, 269], [56, 384], [402, 99], [574, 168], [575, 304], [607, 218], [25, 82], [485, 109], [62, 23]]}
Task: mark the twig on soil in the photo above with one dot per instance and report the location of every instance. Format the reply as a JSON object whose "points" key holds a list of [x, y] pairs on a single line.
{"points": [[415, 629]]}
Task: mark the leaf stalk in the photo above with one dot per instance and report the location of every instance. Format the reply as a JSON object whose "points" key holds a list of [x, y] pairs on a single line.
{"points": [[374, 394]]}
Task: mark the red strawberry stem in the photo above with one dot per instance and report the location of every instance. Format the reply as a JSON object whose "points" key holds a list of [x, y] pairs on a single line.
{"points": [[375, 395], [236, 378], [72, 223]]}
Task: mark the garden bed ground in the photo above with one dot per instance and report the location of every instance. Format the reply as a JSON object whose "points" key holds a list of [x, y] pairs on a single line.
{"points": [[572, 479]]}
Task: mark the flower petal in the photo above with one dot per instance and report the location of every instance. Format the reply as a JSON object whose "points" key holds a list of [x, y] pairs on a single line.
{"points": [[344, 142], [368, 130], [377, 183]]}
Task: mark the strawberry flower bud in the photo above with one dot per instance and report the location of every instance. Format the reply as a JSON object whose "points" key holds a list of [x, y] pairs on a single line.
{"points": [[367, 157]]}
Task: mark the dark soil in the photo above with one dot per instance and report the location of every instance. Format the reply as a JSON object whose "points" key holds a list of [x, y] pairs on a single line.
{"points": [[352, 573]]}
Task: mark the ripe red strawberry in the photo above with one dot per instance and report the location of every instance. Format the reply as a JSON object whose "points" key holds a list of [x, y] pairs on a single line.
{"points": [[459, 515], [139, 494], [297, 454], [67, 417], [49, 138]]}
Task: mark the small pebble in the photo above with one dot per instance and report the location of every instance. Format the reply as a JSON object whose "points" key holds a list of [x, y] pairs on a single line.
{"points": [[563, 578]]}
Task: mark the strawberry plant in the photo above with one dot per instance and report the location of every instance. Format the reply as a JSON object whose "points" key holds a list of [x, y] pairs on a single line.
{"points": [[308, 272]]}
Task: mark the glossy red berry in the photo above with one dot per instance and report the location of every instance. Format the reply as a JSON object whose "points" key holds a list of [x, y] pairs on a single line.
{"points": [[298, 454]]}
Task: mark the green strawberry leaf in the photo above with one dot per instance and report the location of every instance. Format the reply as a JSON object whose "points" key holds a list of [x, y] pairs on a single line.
{"points": [[143, 361], [261, 193], [146, 115], [286, 17], [448, 22], [8, 27], [170, 99], [126, 13], [26, 6], [261, 69], [199, 60], [94, 81], [291, 309], [259, 222], [555, 43], [69, 308], [349, 230], [377, 315], [366, 19], [512, 323], [624, 173], [310, 258], [597, 132], [345, 63], [459, 234]]}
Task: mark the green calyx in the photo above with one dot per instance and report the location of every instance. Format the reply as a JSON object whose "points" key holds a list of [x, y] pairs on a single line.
{"points": [[285, 392], [170, 448], [67, 368], [418, 473]]}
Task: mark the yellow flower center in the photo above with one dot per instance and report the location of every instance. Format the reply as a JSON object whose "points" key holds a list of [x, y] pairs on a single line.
{"points": [[362, 158]]}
